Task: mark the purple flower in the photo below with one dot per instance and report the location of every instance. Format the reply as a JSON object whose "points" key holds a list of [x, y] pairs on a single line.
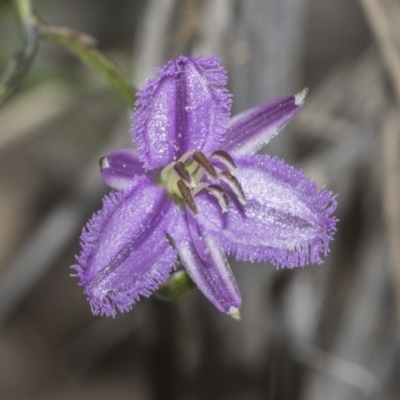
{"points": [[195, 191]]}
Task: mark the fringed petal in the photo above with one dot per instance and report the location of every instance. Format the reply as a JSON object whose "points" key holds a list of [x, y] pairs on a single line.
{"points": [[250, 130], [286, 220], [120, 168], [125, 252], [212, 273], [186, 107]]}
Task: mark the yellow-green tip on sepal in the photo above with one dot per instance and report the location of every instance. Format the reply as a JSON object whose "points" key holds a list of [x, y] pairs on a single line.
{"points": [[234, 313], [178, 285]]}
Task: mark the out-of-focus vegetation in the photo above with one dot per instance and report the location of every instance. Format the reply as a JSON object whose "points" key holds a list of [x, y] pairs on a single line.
{"points": [[323, 332]]}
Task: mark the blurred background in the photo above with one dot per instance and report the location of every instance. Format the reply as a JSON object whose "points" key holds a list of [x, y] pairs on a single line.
{"points": [[323, 332]]}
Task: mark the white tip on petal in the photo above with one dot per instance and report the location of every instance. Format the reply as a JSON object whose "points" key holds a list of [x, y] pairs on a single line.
{"points": [[300, 97], [104, 163], [234, 313]]}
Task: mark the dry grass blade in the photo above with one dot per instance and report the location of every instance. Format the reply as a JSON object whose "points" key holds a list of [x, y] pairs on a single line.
{"points": [[378, 17]]}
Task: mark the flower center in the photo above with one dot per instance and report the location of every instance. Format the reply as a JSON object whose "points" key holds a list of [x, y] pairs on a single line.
{"points": [[195, 172]]}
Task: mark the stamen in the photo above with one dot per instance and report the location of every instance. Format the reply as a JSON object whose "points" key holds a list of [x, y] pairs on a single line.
{"points": [[184, 178], [171, 181], [183, 173], [166, 171], [187, 197], [234, 184], [203, 161], [186, 156], [215, 190], [198, 176], [220, 195], [225, 158], [201, 186]]}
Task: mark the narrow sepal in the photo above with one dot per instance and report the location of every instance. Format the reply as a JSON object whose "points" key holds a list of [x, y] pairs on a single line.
{"points": [[185, 107], [177, 286], [250, 130], [212, 275], [125, 252], [286, 220], [120, 167]]}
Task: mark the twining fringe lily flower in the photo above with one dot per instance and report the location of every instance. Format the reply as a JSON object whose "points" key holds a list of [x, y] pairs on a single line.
{"points": [[195, 191]]}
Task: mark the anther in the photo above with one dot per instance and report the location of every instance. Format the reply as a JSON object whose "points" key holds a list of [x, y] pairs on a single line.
{"points": [[183, 173], [220, 195], [234, 184], [203, 161], [187, 197], [225, 158]]}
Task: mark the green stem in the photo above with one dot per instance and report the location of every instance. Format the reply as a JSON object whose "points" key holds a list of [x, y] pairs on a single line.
{"points": [[83, 46], [23, 57]]}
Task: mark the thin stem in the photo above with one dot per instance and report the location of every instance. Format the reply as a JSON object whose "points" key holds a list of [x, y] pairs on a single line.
{"points": [[21, 62], [79, 44], [83, 46]]}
